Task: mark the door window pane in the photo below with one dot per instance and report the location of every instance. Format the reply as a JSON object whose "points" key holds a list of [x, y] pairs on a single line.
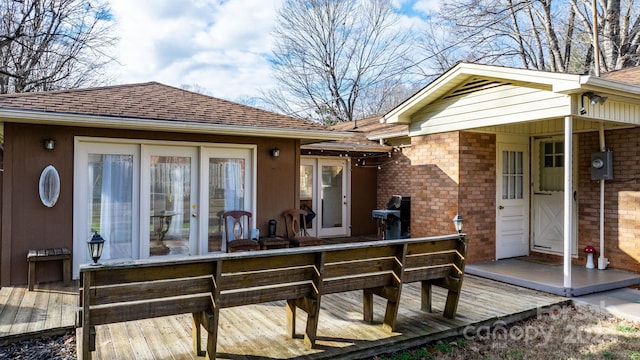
{"points": [[170, 192], [110, 202], [306, 190], [512, 174], [552, 166], [226, 193], [332, 196]]}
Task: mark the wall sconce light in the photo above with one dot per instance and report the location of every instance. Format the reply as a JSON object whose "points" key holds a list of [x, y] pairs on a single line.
{"points": [[49, 144], [96, 244], [594, 99], [457, 222], [275, 152]]}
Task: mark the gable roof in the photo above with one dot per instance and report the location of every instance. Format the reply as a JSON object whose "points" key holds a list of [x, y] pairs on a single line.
{"points": [[155, 106], [468, 77]]}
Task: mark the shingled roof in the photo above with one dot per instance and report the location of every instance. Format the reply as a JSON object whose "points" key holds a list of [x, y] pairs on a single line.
{"points": [[365, 135], [629, 75], [150, 103]]}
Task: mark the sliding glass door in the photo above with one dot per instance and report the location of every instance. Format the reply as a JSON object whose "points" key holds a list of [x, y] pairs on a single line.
{"points": [[169, 195], [156, 199], [228, 175]]}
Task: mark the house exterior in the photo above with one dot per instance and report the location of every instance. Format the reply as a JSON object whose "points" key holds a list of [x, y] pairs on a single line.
{"points": [[515, 152], [362, 155], [147, 166]]}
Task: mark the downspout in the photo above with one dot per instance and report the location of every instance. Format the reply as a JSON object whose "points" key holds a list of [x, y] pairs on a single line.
{"points": [[568, 202], [602, 261]]}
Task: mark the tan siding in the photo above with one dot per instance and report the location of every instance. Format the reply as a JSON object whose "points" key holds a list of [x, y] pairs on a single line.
{"points": [[614, 111], [495, 106]]}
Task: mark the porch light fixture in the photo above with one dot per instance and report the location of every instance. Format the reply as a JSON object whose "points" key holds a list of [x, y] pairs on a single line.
{"points": [[275, 152], [49, 144], [96, 244], [457, 222], [594, 99]]}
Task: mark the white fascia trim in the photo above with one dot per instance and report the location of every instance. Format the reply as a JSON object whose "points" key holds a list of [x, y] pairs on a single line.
{"points": [[609, 86], [36, 117], [348, 148], [392, 135]]}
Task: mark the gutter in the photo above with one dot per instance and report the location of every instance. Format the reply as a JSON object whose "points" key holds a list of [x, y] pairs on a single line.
{"points": [[38, 117]]}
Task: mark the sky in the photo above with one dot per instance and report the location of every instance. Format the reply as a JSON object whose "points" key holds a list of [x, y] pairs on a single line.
{"points": [[221, 47]]}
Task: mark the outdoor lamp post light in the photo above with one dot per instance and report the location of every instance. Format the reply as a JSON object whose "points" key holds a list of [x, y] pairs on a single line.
{"points": [[457, 222], [95, 247]]}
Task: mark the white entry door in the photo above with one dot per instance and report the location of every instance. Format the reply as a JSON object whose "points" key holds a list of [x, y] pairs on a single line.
{"points": [[512, 214], [324, 189], [548, 196]]}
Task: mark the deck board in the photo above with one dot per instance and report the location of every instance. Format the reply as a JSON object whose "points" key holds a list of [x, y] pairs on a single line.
{"points": [[259, 331]]}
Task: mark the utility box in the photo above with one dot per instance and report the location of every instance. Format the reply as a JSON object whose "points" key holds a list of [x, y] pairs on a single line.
{"points": [[602, 165]]}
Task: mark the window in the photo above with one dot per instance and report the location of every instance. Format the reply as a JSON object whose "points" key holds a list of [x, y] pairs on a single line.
{"points": [[552, 166], [512, 175]]}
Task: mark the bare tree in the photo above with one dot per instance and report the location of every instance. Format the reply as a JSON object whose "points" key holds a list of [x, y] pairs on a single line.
{"points": [[544, 34], [53, 44], [328, 53]]}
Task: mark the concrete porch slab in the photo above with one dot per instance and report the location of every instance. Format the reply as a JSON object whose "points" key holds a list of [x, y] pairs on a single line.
{"points": [[550, 278]]}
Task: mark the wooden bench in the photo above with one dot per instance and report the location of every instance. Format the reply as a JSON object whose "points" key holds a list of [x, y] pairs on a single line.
{"points": [[204, 285], [34, 256]]}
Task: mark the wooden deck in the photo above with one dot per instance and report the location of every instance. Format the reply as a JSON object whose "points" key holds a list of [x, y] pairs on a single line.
{"points": [[259, 331]]}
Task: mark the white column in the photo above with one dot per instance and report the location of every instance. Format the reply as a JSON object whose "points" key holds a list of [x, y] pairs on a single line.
{"points": [[568, 200]]}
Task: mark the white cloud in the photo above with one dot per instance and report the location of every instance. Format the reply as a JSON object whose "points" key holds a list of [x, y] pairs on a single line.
{"points": [[219, 45], [427, 7]]}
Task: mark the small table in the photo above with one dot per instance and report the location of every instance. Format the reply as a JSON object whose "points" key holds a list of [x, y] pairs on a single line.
{"points": [[275, 242], [161, 223]]}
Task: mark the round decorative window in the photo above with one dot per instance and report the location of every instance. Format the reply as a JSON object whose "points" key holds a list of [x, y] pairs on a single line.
{"points": [[49, 186]]}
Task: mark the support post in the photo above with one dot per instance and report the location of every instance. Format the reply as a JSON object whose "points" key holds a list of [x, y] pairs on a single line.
{"points": [[568, 201]]}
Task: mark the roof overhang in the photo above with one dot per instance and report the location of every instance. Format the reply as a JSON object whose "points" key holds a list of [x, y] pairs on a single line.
{"points": [[561, 83], [39, 117], [390, 135], [346, 147]]}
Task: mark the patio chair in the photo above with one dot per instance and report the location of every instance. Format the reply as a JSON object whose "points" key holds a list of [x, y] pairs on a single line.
{"points": [[296, 230], [237, 229]]}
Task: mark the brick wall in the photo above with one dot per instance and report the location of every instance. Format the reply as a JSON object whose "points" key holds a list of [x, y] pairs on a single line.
{"points": [[477, 198], [622, 200], [394, 176], [434, 183], [443, 174]]}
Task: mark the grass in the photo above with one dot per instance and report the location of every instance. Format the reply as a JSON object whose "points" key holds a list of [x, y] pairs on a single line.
{"points": [[570, 333]]}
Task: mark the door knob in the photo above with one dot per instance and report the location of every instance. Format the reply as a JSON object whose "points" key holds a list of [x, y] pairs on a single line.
{"points": [[500, 207]]}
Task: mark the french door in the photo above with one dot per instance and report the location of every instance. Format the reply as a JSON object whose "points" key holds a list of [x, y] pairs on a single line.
{"points": [[169, 200], [324, 189], [157, 199]]}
